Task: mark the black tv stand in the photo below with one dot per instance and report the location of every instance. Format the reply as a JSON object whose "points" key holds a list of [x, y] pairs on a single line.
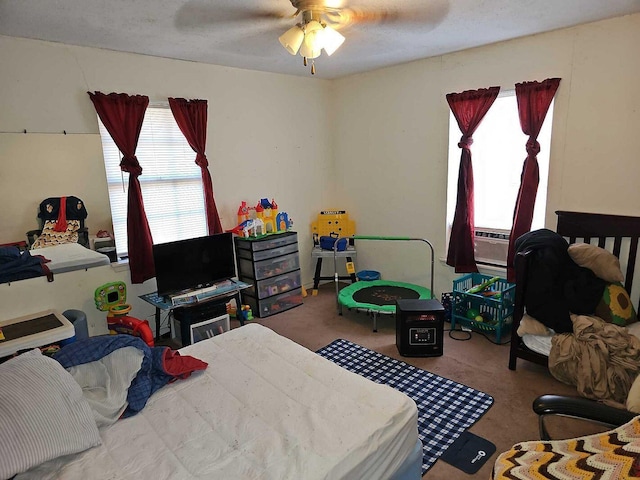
{"points": [[224, 291]]}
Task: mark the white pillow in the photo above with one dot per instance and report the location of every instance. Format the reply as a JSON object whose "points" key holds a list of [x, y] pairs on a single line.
{"points": [[43, 414], [601, 262], [531, 326]]}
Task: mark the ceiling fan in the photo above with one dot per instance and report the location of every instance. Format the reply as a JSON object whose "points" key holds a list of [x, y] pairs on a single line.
{"points": [[318, 22]]}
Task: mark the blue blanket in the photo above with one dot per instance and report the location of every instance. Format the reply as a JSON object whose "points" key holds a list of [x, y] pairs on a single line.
{"points": [[17, 265], [151, 377]]}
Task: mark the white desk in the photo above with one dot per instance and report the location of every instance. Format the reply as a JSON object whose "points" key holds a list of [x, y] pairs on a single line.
{"points": [[318, 253], [33, 331]]}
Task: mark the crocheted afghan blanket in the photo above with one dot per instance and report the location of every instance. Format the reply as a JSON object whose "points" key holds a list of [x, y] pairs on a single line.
{"points": [[613, 455]]}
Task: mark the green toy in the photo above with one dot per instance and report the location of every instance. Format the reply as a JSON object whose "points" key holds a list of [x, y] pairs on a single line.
{"points": [[483, 286]]}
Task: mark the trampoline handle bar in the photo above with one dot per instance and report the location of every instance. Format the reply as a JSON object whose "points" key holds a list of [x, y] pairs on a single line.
{"points": [[374, 237]]}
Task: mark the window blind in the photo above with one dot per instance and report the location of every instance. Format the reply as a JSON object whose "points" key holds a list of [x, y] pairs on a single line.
{"points": [[171, 182]]}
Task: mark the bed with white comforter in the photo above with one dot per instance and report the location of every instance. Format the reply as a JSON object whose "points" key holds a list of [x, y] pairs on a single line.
{"points": [[264, 408]]}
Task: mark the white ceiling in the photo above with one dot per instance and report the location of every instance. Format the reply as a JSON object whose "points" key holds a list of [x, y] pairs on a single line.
{"points": [[244, 33]]}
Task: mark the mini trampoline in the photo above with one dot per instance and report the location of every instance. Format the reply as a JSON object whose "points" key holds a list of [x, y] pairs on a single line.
{"points": [[379, 296]]}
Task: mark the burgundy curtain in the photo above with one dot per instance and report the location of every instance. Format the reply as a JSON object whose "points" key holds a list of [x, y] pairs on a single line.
{"points": [[534, 99], [122, 116], [469, 108], [191, 117]]}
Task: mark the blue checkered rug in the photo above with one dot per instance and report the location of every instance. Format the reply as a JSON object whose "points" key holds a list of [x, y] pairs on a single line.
{"points": [[445, 408]]}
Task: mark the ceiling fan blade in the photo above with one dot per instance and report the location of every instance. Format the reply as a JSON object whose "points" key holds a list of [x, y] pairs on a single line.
{"points": [[431, 13], [199, 14], [259, 44]]}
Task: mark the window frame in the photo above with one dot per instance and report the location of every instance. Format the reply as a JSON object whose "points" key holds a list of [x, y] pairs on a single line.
{"points": [[169, 172], [483, 178]]}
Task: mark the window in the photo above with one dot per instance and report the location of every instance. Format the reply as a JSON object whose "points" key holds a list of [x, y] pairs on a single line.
{"points": [[171, 182], [498, 154]]}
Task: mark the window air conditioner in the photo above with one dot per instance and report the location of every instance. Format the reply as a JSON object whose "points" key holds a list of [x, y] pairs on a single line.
{"points": [[491, 246]]}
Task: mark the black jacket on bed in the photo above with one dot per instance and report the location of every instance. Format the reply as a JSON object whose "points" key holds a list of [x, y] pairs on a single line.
{"points": [[556, 286]]}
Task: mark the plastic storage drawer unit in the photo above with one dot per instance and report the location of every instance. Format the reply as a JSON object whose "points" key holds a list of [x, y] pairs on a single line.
{"points": [[271, 265]]}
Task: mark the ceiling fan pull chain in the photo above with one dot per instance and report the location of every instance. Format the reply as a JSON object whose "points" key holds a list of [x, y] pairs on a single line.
{"points": [[305, 61], [313, 67]]}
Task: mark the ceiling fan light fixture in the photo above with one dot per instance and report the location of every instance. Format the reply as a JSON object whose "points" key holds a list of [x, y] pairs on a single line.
{"points": [[309, 37], [308, 49], [313, 40], [292, 39], [312, 27], [332, 40]]}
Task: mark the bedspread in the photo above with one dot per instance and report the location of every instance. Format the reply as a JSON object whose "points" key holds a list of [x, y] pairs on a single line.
{"points": [[601, 359]]}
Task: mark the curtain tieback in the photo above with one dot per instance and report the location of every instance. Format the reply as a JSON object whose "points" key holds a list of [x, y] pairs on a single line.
{"points": [[465, 142], [533, 147], [201, 160], [131, 165]]}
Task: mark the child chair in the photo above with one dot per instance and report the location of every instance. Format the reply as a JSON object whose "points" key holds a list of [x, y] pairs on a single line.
{"points": [[61, 221]]}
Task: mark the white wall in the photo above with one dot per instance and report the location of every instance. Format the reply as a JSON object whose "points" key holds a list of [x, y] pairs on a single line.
{"points": [[268, 136], [392, 131]]}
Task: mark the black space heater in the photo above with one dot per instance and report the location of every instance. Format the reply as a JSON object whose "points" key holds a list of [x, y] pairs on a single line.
{"points": [[419, 328]]}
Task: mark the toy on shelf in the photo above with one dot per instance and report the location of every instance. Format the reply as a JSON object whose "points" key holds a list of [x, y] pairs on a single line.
{"points": [[232, 310], [332, 223], [247, 314], [111, 297], [263, 219], [244, 313], [243, 213]]}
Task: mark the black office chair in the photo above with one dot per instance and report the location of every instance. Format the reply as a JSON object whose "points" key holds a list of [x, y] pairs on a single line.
{"points": [[580, 408], [48, 214]]}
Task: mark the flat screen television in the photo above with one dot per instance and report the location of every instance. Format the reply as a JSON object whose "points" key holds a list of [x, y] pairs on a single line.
{"points": [[194, 263]]}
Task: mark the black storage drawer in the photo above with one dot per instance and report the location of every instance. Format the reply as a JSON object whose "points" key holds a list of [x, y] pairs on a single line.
{"points": [[276, 304], [266, 254], [274, 285], [268, 242], [268, 268]]}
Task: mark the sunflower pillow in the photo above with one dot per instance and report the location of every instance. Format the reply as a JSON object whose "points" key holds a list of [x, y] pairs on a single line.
{"points": [[615, 306]]}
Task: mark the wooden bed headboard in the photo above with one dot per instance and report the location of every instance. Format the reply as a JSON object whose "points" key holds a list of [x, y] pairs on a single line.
{"points": [[618, 234]]}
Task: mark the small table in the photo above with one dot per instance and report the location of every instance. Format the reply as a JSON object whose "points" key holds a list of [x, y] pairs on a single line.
{"points": [[33, 331], [224, 291], [319, 253]]}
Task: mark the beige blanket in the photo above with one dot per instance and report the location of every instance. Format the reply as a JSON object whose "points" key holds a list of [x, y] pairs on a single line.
{"points": [[601, 359]]}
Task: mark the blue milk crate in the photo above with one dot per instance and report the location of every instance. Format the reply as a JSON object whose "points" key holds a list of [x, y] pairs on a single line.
{"points": [[495, 304]]}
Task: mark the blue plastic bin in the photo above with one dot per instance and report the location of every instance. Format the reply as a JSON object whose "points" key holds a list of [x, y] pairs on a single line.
{"points": [[79, 321], [368, 275]]}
